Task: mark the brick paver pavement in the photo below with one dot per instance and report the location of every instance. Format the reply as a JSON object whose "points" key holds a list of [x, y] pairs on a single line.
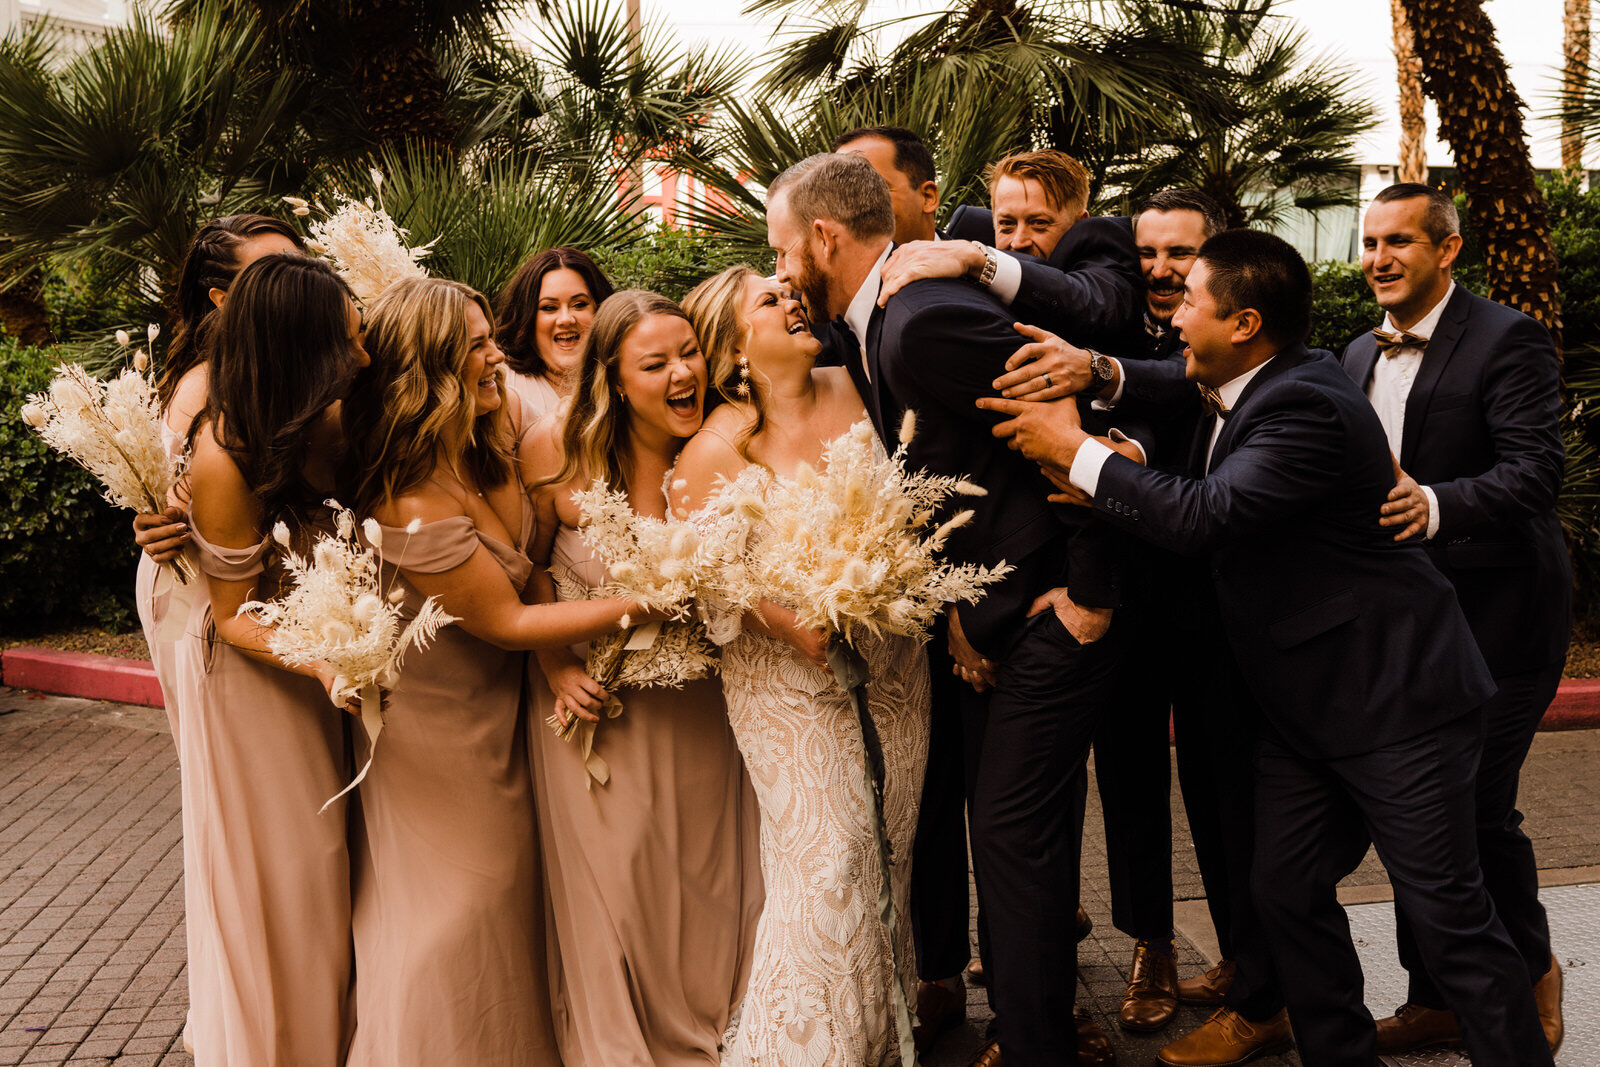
{"points": [[91, 893]]}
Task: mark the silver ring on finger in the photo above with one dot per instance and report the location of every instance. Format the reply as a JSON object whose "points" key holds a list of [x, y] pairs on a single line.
{"points": [[1047, 379]]}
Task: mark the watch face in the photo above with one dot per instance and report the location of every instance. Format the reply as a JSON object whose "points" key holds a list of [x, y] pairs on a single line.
{"points": [[1101, 368]]}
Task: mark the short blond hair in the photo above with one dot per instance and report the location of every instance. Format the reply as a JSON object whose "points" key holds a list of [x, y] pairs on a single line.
{"points": [[1064, 179]]}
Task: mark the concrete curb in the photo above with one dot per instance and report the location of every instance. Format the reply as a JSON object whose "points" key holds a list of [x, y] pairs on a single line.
{"points": [[131, 681], [81, 674]]}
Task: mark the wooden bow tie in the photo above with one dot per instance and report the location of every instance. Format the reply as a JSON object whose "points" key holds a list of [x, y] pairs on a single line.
{"points": [[1391, 343], [1211, 401]]}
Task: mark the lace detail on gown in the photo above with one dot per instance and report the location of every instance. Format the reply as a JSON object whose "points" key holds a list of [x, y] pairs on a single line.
{"points": [[820, 991]]}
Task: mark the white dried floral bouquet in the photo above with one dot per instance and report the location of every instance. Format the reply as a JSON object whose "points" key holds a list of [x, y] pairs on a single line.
{"points": [[660, 563], [847, 546], [112, 429], [336, 614], [366, 247]]}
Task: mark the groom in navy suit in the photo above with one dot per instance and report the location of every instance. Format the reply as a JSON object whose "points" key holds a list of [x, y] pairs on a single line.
{"points": [[1355, 646], [937, 347]]}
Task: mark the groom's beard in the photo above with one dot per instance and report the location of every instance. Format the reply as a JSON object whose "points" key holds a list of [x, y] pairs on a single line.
{"points": [[813, 286]]}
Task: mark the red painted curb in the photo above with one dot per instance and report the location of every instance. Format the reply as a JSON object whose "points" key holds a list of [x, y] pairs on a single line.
{"points": [[81, 674], [1576, 706], [131, 681]]}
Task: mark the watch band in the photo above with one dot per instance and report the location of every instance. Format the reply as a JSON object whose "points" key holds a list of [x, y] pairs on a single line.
{"points": [[991, 264]]}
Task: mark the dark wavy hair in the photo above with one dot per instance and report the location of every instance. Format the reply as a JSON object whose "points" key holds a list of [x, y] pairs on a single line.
{"points": [[211, 263], [282, 353], [517, 309]]}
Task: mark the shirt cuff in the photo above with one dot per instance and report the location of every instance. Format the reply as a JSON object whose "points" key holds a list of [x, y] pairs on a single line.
{"points": [[1116, 396], [1085, 473], [1122, 438], [1433, 512], [1007, 281]]}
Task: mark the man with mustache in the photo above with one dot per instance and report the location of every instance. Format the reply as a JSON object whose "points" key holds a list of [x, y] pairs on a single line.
{"points": [[1196, 679]]}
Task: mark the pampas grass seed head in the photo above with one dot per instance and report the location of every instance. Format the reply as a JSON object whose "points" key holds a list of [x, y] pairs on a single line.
{"points": [[123, 339], [374, 532], [908, 427]]}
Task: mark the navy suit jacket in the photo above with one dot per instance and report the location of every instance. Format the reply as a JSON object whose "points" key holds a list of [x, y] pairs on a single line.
{"points": [[1349, 640], [936, 348], [1481, 431], [1090, 291]]}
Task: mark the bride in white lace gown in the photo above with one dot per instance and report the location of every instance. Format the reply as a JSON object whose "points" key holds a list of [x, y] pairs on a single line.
{"points": [[823, 985]]}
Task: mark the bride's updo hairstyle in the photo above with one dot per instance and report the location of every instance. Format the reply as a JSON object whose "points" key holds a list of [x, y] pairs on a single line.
{"points": [[598, 419], [716, 311], [408, 412]]}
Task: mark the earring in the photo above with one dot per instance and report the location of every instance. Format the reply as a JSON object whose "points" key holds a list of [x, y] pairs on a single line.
{"points": [[622, 398], [743, 388]]}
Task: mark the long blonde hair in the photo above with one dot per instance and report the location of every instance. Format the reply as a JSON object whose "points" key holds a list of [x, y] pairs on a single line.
{"points": [[409, 406], [597, 424], [716, 311]]}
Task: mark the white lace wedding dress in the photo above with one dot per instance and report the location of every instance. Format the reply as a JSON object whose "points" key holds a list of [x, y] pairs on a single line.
{"points": [[820, 990]]}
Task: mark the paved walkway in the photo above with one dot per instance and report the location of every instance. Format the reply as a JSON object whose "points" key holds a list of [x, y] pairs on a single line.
{"points": [[91, 896]]}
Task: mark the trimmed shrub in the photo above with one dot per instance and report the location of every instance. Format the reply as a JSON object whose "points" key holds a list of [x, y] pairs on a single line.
{"points": [[65, 554]]}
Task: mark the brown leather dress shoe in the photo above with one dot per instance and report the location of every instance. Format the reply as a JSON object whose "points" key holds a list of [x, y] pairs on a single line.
{"points": [[1152, 997], [975, 970], [1085, 924], [988, 1056], [1414, 1027], [1208, 988], [1547, 995], [1094, 1047], [1229, 1038], [939, 1010]]}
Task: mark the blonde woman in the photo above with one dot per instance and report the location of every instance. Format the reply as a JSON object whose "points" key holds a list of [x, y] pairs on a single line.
{"points": [[652, 876], [449, 911], [822, 952]]}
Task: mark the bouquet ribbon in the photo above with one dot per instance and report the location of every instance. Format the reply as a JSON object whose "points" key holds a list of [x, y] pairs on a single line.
{"points": [[850, 669], [372, 722]]}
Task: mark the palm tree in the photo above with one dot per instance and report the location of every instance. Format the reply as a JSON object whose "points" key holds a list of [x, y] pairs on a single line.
{"points": [[109, 162], [1413, 144], [1480, 117], [1575, 50], [1294, 144], [1144, 94]]}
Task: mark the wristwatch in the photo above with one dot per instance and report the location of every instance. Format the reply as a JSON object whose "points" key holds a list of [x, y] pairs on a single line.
{"points": [[1102, 372], [991, 263]]}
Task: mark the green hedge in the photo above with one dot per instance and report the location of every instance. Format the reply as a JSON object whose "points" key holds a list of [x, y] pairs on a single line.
{"points": [[66, 556]]}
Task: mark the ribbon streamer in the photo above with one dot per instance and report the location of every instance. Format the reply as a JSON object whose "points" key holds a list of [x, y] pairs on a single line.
{"points": [[851, 671], [372, 722]]}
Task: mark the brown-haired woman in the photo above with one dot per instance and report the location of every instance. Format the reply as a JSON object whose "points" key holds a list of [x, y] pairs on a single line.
{"points": [[652, 876], [799, 734], [545, 313], [219, 251], [268, 904], [449, 909]]}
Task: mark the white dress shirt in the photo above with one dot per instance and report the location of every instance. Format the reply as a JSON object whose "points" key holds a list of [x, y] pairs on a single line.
{"points": [[1390, 388], [1092, 455], [864, 303]]}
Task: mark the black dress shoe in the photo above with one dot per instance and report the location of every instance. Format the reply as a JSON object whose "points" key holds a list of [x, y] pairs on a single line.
{"points": [[939, 1010]]}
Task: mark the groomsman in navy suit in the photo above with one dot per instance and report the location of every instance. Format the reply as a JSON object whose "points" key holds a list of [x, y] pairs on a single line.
{"points": [[1469, 393], [1371, 685]]}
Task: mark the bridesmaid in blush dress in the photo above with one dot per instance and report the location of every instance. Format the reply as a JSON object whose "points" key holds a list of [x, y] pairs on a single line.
{"points": [[262, 745], [220, 250], [653, 877], [545, 313], [449, 905]]}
